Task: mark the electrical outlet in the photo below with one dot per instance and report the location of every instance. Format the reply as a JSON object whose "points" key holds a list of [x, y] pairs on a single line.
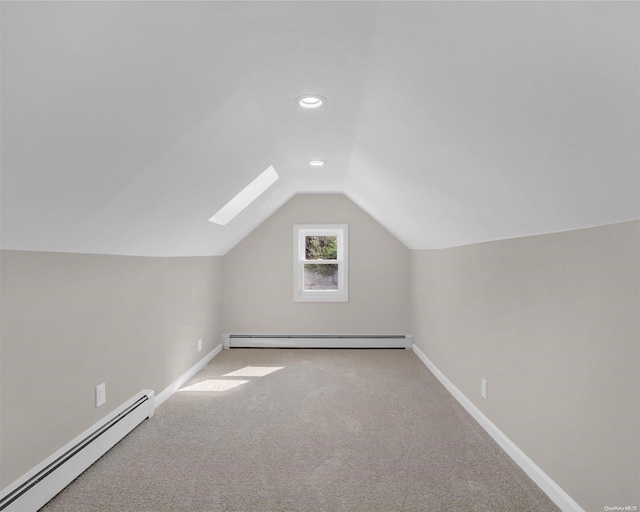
{"points": [[199, 344], [483, 388], [101, 394]]}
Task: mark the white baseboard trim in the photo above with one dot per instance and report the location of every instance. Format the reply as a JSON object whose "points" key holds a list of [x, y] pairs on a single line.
{"points": [[548, 486], [36, 487], [180, 381], [45, 489]]}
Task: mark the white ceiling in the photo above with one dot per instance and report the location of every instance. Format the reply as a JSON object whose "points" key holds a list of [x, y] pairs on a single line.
{"points": [[127, 125]]}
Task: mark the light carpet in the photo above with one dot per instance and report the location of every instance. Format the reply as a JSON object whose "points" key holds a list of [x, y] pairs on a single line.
{"points": [[269, 430]]}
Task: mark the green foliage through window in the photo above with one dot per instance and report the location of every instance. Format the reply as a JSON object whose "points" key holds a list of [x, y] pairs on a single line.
{"points": [[321, 277], [321, 247]]}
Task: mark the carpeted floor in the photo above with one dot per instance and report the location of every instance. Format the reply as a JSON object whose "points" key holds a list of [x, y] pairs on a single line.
{"points": [[330, 430]]}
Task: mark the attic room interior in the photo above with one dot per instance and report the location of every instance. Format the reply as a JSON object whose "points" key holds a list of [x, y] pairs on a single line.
{"points": [[320, 256]]}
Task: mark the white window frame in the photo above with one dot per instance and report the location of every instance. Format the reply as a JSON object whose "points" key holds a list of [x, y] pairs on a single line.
{"points": [[341, 231]]}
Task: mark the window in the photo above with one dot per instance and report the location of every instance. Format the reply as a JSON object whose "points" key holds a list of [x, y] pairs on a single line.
{"points": [[320, 263]]}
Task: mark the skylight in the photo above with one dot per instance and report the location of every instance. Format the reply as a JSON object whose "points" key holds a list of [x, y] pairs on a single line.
{"points": [[249, 194]]}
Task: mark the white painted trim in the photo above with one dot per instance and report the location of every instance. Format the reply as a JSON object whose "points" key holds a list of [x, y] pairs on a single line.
{"points": [[341, 231], [548, 486], [180, 381], [56, 480], [319, 341]]}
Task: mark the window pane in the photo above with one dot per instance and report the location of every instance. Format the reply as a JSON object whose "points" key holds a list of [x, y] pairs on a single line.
{"points": [[320, 247], [321, 277]]}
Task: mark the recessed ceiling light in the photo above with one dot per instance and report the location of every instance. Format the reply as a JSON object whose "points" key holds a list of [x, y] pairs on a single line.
{"points": [[246, 196], [316, 163], [311, 101]]}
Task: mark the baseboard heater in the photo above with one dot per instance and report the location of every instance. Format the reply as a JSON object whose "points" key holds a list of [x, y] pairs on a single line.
{"points": [[33, 490], [318, 341]]}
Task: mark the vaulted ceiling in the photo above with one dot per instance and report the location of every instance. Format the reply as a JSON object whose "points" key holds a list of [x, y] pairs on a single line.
{"points": [[126, 125]]}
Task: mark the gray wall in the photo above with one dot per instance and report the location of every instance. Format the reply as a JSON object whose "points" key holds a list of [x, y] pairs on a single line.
{"points": [[552, 322], [72, 321], [258, 276]]}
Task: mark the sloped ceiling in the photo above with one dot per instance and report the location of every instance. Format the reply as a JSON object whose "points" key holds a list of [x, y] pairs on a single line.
{"points": [[126, 125]]}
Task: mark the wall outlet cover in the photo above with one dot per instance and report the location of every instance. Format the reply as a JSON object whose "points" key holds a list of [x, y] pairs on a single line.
{"points": [[101, 394]]}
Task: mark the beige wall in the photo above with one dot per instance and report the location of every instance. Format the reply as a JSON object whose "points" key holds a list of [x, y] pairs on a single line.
{"points": [[258, 276], [552, 322], [72, 321]]}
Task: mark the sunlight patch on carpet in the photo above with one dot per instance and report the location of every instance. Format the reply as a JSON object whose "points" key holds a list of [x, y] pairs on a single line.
{"points": [[214, 385], [254, 371]]}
